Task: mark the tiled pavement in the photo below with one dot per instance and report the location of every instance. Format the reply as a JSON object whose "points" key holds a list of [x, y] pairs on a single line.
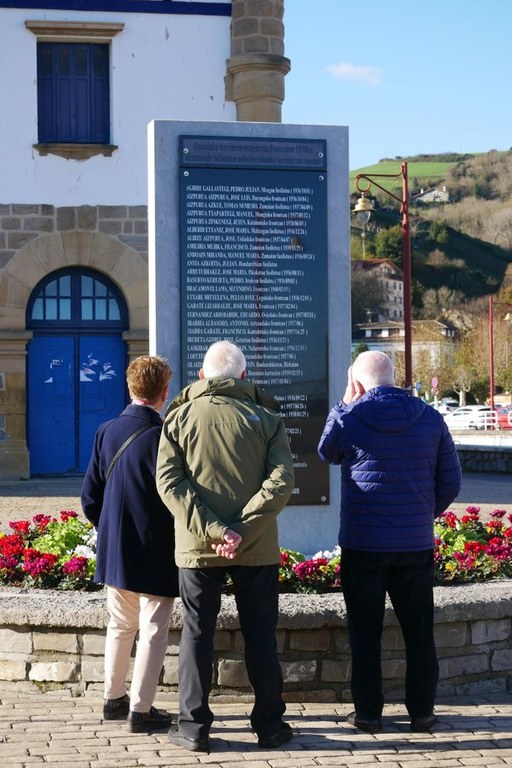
{"points": [[53, 727]]}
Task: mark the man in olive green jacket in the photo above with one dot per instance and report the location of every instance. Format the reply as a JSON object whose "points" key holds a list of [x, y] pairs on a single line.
{"points": [[225, 471]]}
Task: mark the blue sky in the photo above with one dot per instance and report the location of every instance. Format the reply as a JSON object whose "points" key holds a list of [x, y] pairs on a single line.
{"points": [[406, 77]]}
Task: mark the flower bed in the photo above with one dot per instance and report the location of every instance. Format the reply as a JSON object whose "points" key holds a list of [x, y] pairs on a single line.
{"points": [[49, 553], [52, 553]]}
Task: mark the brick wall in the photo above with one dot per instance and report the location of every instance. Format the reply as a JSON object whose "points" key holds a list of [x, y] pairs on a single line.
{"points": [[57, 638]]}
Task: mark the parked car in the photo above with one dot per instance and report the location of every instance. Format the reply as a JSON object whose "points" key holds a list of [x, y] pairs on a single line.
{"points": [[471, 417], [505, 417], [446, 405]]}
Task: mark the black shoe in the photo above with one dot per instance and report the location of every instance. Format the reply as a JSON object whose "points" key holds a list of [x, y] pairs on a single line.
{"points": [[116, 709], [372, 725], [283, 735], [423, 724], [154, 720], [193, 745]]}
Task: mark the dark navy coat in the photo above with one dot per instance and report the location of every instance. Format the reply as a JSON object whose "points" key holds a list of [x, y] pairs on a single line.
{"points": [[399, 469], [135, 548]]}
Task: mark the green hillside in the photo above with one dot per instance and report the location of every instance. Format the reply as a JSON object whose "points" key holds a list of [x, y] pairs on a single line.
{"points": [[420, 174], [472, 266], [454, 244]]}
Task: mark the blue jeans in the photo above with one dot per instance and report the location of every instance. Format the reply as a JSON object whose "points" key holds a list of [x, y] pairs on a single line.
{"points": [[407, 577], [256, 591]]}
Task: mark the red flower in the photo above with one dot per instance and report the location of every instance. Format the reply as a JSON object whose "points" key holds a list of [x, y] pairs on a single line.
{"points": [[450, 519], [473, 518], [12, 545], [42, 521], [473, 547], [65, 515], [22, 526]]}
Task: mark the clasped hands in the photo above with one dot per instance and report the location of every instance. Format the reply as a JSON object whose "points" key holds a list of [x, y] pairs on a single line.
{"points": [[229, 545]]}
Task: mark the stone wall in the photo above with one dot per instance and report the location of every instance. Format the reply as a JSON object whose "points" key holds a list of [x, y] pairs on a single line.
{"points": [[476, 458], [52, 638]]}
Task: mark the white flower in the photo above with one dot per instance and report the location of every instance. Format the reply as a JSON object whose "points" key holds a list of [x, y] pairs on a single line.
{"points": [[328, 555], [83, 551]]}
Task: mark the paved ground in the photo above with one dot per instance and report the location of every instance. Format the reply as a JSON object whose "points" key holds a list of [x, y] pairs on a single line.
{"points": [[53, 727], [39, 728], [25, 498]]}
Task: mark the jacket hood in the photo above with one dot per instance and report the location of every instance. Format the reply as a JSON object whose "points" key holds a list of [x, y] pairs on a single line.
{"points": [[388, 409], [237, 388]]}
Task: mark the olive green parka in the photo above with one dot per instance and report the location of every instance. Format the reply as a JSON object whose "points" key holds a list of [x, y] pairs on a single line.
{"points": [[224, 461]]}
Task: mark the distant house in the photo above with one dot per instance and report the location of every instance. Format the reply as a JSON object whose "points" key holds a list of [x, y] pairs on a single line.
{"points": [[392, 281], [434, 195], [431, 339]]}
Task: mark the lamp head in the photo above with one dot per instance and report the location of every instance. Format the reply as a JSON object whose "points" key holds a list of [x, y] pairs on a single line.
{"points": [[363, 209]]}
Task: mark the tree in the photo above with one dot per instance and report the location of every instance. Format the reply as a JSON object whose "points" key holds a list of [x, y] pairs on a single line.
{"points": [[462, 379], [359, 348], [367, 295], [388, 244]]}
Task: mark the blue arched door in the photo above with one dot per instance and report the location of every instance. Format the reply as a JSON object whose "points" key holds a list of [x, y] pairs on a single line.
{"points": [[76, 366]]}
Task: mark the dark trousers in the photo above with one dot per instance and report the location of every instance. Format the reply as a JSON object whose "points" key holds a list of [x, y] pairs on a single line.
{"points": [[408, 578], [256, 593]]}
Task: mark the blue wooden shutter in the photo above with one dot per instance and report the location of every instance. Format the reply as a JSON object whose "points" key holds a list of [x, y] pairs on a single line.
{"points": [[73, 93]]}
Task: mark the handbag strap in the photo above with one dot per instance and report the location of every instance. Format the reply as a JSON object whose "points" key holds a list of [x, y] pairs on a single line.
{"points": [[123, 448]]}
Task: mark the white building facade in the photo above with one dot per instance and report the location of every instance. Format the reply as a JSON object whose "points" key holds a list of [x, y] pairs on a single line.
{"points": [[77, 91]]}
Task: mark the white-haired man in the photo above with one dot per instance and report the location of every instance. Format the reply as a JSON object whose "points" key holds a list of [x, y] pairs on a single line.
{"points": [[225, 471], [399, 469]]}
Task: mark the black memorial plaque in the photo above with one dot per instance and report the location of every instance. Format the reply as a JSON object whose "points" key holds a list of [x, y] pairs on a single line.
{"points": [[253, 254]]}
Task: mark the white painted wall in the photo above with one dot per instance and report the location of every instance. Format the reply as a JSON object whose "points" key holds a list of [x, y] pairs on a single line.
{"points": [[163, 67]]}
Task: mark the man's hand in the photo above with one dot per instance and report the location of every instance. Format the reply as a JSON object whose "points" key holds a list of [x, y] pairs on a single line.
{"points": [[229, 545], [354, 389]]}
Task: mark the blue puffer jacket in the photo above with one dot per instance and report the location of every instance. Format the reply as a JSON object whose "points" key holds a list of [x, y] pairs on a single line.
{"points": [[399, 469]]}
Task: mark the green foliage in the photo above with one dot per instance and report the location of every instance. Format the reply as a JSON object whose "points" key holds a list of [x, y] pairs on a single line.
{"points": [[359, 348], [438, 231], [388, 244]]}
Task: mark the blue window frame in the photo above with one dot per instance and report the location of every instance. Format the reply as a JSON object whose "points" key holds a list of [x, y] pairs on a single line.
{"points": [[73, 83], [76, 298]]}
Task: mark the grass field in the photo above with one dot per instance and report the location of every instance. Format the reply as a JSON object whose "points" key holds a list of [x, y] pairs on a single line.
{"points": [[422, 174]]}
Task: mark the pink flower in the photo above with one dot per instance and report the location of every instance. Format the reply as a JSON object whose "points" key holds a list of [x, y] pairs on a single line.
{"points": [[309, 568], [38, 563], [76, 566], [65, 515]]}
